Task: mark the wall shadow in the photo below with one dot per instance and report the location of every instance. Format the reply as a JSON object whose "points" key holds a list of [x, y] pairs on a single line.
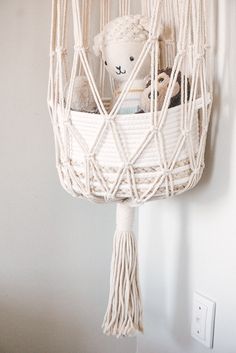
{"points": [[218, 149], [181, 321], [224, 106]]}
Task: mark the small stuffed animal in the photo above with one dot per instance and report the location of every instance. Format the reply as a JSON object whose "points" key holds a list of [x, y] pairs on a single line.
{"points": [[82, 97], [163, 80], [120, 44]]}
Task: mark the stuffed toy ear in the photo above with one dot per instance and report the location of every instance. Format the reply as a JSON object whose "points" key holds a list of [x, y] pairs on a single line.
{"points": [[97, 46], [144, 22], [176, 89]]}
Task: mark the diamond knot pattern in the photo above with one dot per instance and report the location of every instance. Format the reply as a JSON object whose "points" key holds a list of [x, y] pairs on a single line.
{"points": [[104, 156]]}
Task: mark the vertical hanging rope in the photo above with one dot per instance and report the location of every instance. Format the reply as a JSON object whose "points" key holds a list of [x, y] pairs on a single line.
{"points": [[124, 7], [168, 39], [51, 81], [124, 312], [64, 39], [80, 52], [85, 24], [144, 7], [104, 19]]}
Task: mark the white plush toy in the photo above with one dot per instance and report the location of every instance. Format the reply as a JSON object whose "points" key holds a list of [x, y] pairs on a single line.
{"points": [[120, 44], [82, 97]]}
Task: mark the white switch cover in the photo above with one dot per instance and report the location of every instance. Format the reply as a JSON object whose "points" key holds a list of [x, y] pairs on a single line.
{"points": [[203, 320]]}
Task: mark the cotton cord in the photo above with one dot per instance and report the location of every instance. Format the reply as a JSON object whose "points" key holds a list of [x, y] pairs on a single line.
{"points": [[147, 169], [124, 312]]}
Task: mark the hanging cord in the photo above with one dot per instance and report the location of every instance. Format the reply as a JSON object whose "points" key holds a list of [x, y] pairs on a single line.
{"points": [[104, 19], [124, 7], [85, 26], [124, 312]]}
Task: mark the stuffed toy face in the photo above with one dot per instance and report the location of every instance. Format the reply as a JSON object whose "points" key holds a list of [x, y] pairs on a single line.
{"points": [[120, 59], [163, 80], [120, 44]]}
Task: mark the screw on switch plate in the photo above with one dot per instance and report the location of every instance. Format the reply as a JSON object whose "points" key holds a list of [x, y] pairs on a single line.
{"points": [[203, 320]]}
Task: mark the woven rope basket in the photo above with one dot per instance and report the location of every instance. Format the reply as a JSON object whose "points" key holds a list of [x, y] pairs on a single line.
{"points": [[130, 158]]}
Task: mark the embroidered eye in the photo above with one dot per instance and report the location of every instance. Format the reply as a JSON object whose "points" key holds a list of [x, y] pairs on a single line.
{"points": [[148, 83], [105, 63], [161, 80], [131, 58]]}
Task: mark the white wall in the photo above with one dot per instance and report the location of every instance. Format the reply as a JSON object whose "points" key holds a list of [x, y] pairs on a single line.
{"points": [[188, 244], [54, 250]]}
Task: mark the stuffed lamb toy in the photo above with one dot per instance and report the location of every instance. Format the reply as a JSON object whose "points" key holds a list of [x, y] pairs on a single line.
{"points": [[120, 44]]}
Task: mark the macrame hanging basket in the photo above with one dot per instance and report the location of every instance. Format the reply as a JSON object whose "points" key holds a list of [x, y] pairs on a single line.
{"points": [[106, 156]]}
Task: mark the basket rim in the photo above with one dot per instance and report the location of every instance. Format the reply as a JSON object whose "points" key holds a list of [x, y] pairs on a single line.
{"points": [[198, 104]]}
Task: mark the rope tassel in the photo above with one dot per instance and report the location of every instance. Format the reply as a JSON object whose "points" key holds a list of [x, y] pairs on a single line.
{"points": [[124, 311]]}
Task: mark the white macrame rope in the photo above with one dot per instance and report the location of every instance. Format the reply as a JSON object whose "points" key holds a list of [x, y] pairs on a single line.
{"points": [[124, 7], [104, 19], [85, 25], [183, 14], [99, 157]]}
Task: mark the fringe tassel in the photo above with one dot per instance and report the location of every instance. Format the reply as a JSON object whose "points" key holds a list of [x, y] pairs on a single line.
{"points": [[124, 312]]}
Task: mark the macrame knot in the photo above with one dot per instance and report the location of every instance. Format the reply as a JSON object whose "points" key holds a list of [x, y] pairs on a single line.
{"points": [[52, 54], [199, 56], [64, 51], [153, 39], [61, 51], [108, 196], [182, 52], [166, 172], [65, 162], [79, 48], [155, 129], [90, 156], [124, 218], [186, 132]]}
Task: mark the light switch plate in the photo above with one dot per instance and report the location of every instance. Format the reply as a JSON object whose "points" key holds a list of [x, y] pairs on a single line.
{"points": [[203, 320]]}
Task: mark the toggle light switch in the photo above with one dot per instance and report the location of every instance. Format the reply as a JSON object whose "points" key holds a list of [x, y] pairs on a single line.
{"points": [[203, 320]]}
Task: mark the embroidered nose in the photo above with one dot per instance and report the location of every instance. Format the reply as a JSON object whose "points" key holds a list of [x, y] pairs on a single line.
{"points": [[150, 95], [120, 70]]}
